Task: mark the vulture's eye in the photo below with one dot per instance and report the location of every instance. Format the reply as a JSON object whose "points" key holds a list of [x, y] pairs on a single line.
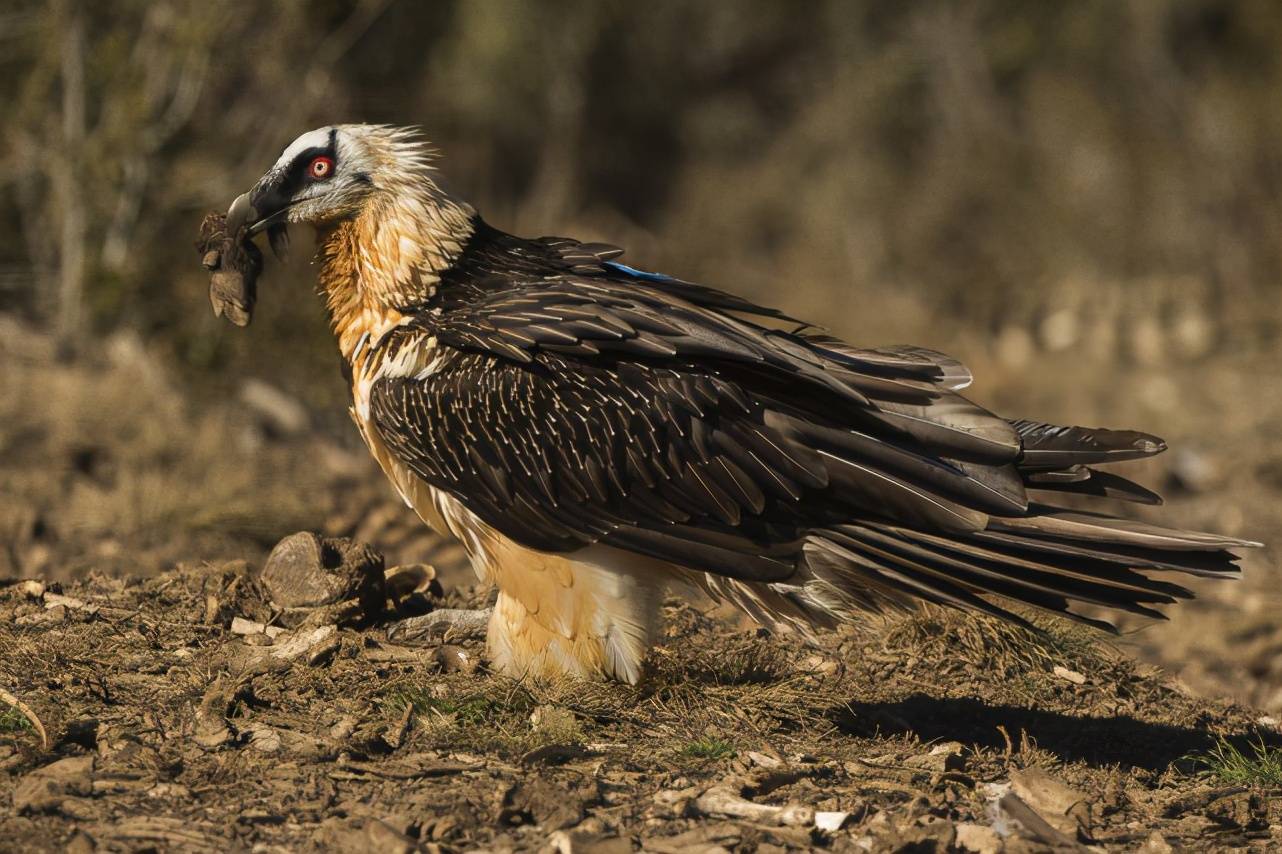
{"points": [[321, 167]]}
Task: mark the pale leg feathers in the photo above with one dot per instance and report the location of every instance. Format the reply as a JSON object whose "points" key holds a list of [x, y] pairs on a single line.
{"points": [[592, 614]]}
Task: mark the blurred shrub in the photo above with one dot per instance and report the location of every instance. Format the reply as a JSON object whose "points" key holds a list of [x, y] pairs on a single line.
{"points": [[1100, 172]]}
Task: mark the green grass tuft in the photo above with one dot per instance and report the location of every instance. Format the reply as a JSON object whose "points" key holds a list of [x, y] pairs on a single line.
{"points": [[709, 747], [12, 720], [471, 710], [1228, 764]]}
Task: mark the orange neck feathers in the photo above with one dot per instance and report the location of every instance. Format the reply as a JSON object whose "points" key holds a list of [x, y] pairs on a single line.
{"points": [[389, 256]]}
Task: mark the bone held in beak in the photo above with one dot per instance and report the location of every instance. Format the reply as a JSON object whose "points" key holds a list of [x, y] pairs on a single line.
{"points": [[233, 262]]}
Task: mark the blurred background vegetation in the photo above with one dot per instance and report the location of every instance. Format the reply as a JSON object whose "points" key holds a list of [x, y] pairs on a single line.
{"points": [[1082, 200], [1097, 174]]}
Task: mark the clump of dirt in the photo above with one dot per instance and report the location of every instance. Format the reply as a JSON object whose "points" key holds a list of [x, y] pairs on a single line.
{"points": [[177, 715]]}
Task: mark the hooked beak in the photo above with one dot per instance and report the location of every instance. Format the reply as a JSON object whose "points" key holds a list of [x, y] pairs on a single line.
{"points": [[259, 209], [263, 208]]}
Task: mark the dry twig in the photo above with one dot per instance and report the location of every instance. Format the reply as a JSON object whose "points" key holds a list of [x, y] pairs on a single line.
{"points": [[29, 714]]}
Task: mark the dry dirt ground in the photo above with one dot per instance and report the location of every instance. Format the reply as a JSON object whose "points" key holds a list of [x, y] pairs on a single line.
{"points": [[154, 724], [145, 520]]}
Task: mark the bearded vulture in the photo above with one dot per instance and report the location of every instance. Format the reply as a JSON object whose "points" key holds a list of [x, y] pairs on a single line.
{"points": [[597, 435]]}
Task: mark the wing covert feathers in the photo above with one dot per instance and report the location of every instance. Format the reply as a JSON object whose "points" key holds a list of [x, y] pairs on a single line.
{"points": [[571, 400]]}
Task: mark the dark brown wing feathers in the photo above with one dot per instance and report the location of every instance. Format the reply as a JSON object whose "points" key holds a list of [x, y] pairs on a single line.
{"points": [[579, 401]]}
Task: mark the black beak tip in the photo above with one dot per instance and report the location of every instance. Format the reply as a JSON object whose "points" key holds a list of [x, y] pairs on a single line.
{"points": [[240, 213]]}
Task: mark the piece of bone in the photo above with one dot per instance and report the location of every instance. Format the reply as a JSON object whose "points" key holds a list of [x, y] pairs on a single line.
{"points": [[234, 264], [720, 801], [444, 622], [305, 572]]}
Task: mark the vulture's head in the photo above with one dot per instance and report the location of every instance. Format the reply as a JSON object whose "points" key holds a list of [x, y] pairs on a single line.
{"points": [[331, 174]]}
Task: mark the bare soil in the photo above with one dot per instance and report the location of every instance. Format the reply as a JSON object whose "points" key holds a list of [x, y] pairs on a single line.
{"points": [[143, 522], [161, 728]]}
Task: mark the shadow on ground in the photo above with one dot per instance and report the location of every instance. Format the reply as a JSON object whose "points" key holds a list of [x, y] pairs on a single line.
{"points": [[1099, 741]]}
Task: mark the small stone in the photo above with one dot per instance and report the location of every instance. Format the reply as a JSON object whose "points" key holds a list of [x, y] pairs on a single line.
{"points": [[1155, 844], [946, 756], [323, 651], [32, 589], [978, 839], [45, 789], [1068, 675], [263, 738], [80, 843], [454, 659], [1064, 808]]}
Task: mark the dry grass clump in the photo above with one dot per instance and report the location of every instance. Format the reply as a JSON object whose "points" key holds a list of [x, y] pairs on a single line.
{"points": [[981, 641]]}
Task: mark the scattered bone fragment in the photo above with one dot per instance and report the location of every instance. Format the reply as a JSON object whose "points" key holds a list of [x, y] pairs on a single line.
{"points": [[831, 821], [1067, 675], [761, 759], [1011, 816], [300, 642], [720, 801], [410, 580], [234, 264], [946, 756], [442, 623], [977, 839], [305, 573], [241, 626]]}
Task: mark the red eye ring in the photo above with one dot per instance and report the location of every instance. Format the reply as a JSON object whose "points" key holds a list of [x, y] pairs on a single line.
{"points": [[321, 167]]}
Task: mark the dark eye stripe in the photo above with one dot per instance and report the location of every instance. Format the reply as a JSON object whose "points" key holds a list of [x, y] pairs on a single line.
{"points": [[296, 175]]}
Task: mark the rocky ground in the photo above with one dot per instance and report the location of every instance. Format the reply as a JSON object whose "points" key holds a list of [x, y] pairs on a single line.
{"points": [[176, 713], [153, 696]]}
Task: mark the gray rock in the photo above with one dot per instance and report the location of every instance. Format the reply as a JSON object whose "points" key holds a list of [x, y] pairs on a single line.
{"points": [[45, 789]]}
